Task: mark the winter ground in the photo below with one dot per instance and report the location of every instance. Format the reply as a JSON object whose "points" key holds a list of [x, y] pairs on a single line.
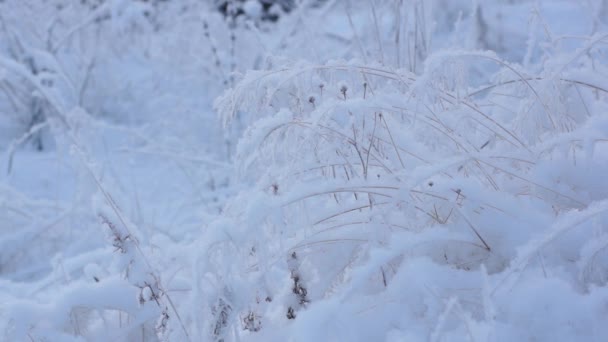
{"points": [[357, 171]]}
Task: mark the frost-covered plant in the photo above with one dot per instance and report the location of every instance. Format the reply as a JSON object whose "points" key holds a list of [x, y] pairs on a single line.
{"points": [[396, 181], [366, 169], [74, 267]]}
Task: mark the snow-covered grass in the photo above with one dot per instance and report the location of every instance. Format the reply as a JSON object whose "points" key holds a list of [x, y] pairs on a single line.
{"points": [[374, 171]]}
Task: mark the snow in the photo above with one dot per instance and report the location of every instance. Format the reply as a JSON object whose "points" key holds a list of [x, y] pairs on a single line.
{"points": [[355, 171]]}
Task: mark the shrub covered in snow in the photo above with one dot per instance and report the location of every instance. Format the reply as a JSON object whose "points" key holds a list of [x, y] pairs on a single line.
{"points": [[387, 171]]}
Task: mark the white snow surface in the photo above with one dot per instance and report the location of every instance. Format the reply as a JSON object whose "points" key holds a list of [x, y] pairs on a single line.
{"points": [[378, 170]]}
